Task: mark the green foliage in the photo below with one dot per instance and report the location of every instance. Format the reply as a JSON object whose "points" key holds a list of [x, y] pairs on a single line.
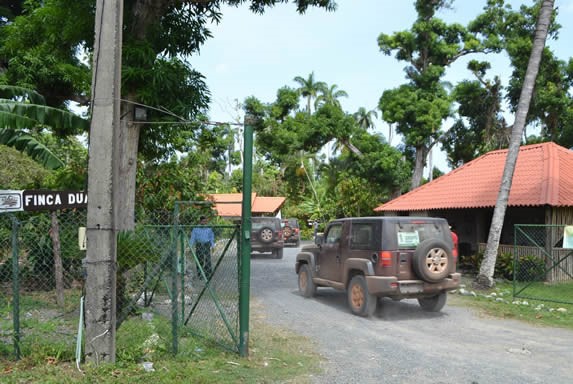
{"points": [[160, 185], [530, 267], [23, 121], [23, 172], [140, 246]]}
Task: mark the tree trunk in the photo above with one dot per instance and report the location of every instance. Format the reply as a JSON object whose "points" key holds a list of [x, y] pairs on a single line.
{"points": [[129, 142], [421, 153], [485, 276], [57, 251]]}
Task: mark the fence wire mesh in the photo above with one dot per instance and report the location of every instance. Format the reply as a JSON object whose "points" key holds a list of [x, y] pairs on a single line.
{"points": [[41, 277], [543, 263], [158, 273]]}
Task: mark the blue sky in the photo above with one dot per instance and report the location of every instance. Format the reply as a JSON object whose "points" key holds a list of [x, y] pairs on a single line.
{"points": [[255, 55]]}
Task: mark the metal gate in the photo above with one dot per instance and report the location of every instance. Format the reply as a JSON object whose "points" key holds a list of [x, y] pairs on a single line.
{"points": [[543, 263], [209, 294]]}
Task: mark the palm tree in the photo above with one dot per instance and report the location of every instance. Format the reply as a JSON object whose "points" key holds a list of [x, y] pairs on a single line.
{"points": [[485, 276], [330, 95], [365, 119], [309, 88], [23, 114]]}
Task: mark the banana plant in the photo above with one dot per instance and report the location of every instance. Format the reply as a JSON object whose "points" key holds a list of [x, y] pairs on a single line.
{"points": [[24, 112]]}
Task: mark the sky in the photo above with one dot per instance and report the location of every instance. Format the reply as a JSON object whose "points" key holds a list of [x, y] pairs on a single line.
{"points": [[255, 55]]}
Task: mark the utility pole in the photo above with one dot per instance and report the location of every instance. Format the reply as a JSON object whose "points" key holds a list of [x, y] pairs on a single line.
{"points": [[104, 139]]}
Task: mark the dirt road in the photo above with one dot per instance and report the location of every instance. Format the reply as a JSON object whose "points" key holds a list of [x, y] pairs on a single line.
{"points": [[403, 344]]}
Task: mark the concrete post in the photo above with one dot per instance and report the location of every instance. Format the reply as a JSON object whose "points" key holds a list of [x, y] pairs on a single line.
{"points": [[100, 316]]}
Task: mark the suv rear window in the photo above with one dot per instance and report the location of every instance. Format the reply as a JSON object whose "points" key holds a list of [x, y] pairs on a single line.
{"points": [[409, 235], [260, 222]]}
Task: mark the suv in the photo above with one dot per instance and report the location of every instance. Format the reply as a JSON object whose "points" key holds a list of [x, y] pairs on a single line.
{"points": [[372, 257], [291, 231], [267, 236]]}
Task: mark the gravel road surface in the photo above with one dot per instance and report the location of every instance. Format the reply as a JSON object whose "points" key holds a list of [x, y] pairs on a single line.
{"points": [[403, 344]]}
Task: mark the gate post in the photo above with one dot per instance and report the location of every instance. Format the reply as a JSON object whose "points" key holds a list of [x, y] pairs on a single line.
{"points": [[245, 274]]}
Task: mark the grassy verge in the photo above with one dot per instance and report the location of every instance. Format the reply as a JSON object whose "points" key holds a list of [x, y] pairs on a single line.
{"points": [[499, 302], [276, 355]]}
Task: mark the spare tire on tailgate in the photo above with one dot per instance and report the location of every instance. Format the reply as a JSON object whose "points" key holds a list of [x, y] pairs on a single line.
{"points": [[432, 260]]}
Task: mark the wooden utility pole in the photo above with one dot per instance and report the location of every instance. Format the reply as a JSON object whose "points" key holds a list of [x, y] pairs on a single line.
{"points": [[104, 139]]}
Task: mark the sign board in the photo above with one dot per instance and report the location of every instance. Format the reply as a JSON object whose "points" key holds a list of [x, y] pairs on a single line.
{"points": [[11, 201], [41, 200], [568, 237]]}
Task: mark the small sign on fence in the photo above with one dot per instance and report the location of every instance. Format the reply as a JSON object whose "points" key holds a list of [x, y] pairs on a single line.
{"points": [[568, 237], [82, 239]]}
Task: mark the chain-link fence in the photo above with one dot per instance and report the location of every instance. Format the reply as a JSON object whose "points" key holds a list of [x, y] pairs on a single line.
{"points": [[543, 263], [41, 280], [158, 272]]}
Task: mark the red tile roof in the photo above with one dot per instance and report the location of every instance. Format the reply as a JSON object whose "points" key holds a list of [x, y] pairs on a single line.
{"points": [[542, 177], [230, 204]]}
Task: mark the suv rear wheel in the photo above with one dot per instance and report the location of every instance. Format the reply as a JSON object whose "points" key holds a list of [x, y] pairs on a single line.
{"points": [[432, 260], [266, 235], [360, 301], [287, 231], [306, 286], [434, 303]]}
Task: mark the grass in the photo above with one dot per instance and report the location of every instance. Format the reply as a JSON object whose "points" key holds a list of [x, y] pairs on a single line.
{"points": [[275, 355], [499, 302]]}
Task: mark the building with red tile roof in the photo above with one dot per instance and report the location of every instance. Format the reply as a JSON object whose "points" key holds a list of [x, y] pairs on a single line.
{"points": [[230, 204], [541, 193]]}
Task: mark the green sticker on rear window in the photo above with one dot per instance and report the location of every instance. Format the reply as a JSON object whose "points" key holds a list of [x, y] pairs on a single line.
{"points": [[408, 239]]}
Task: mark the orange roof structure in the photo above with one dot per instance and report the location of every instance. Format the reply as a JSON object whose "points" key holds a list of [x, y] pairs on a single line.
{"points": [[542, 177], [230, 204]]}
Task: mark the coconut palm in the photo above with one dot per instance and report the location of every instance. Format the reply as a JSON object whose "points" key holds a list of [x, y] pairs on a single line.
{"points": [[485, 276], [365, 119], [330, 95], [309, 88]]}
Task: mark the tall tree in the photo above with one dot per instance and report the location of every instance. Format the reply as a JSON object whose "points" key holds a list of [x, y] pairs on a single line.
{"points": [[480, 126], [310, 88], [45, 47], [485, 276], [419, 107]]}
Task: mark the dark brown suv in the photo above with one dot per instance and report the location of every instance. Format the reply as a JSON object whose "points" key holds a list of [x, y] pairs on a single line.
{"points": [[267, 236], [372, 257]]}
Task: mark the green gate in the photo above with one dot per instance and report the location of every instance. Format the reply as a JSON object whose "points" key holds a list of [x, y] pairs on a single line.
{"points": [[543, 267], [209, 302]]}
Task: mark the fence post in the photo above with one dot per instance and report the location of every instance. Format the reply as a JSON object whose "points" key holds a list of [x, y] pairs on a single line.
{"points": [[245, 273], [15, 288], [174, 307]]}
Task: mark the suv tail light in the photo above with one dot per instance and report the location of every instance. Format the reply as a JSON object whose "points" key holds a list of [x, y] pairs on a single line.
{"points": [[385, 259], [280, 234]]}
